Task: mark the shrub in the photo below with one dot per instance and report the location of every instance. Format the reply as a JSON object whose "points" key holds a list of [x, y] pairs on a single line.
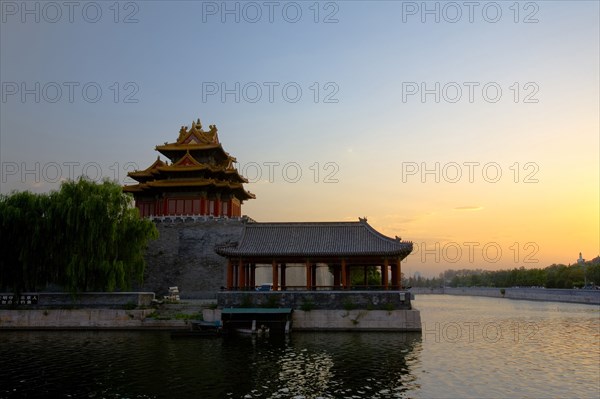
{"points": [[307, 305], [349, 305]]}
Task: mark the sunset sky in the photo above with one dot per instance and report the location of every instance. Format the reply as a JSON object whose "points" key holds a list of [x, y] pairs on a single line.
{"points": [[472, 131]]}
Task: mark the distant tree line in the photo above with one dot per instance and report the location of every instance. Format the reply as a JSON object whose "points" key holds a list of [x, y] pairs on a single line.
{"points": [[84, 237], [554, 276]]}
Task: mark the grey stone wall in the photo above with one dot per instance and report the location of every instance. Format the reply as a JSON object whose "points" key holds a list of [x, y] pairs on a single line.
{"points": [[93, 319], [84, 299], [345, 300], [403, 320], [184, 256]]}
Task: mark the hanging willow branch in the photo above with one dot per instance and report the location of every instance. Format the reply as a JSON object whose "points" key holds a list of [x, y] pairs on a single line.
{"points": [[84, 237]]}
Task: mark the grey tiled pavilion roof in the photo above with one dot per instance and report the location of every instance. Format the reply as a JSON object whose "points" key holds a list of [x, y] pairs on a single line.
{"points": [[313, 239]]}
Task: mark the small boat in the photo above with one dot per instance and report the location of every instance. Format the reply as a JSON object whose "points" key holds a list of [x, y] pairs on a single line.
{"points": [[262, 331]]}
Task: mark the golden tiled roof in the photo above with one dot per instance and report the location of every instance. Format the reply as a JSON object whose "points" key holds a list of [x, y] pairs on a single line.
{"points": [[197, 153]]}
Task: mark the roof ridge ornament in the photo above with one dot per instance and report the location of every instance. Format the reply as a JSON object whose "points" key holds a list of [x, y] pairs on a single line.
{"points": [[213, 131], [182, 132], [362, 220]]}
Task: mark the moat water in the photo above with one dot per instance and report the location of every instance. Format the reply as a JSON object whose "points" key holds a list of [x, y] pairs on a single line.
{"points": [[471, 347]]}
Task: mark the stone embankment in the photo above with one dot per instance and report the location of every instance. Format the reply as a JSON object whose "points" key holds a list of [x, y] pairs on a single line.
{"points": [[401, 320], [75, 318], [100, 311], [324, 311], [332, 310], [533, 294]]}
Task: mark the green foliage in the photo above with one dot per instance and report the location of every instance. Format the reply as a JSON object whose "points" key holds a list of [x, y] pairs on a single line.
{"points": [[187, 316], [355, 321], [349, 305], [272, 301], [246, 301], [554, 276], [373, 277], [423, 282], [307, 305], [84, 237]]}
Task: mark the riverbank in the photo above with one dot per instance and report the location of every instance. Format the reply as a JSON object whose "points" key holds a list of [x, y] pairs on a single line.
{"points": [[168, 316], [591, 297], [313, 311]]}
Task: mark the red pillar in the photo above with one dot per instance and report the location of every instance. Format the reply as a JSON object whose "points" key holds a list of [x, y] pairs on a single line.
{"points": [[344, 275], [275, 275], [384, 273], [217, 206], [235, 275], [242, 275], [336, 277], [308, 275], [253, 275], [394, 277], [283, 276], [399, 273], [229, 274]]}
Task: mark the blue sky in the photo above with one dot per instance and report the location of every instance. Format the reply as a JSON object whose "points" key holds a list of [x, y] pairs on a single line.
{"points": [[354, 121]]}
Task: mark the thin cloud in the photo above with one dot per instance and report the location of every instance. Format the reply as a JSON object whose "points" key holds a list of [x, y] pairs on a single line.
{"points": [[468, 208]]}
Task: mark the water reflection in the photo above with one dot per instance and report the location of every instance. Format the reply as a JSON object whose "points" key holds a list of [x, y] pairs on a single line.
{"points": [[334, 365], [532, 349]]}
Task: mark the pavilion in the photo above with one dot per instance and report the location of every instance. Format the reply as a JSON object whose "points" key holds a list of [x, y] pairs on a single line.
{"points": [[342, 246]]}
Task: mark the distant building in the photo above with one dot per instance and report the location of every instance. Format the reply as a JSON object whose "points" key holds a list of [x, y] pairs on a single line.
{"points": [[580, 261]]}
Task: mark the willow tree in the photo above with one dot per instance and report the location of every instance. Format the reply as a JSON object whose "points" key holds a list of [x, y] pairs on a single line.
{"points": [[23, 229], [85, 237]]}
